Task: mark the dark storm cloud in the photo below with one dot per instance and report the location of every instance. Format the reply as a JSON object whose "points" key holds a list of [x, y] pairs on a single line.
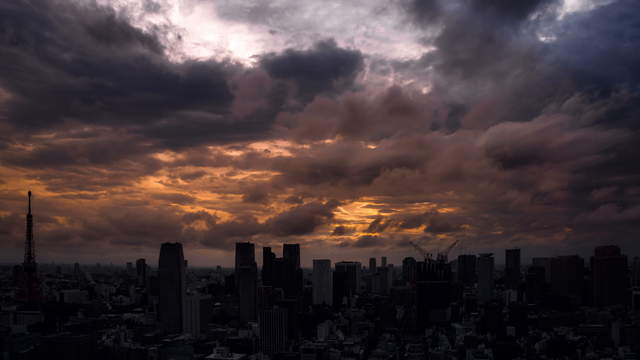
{"points": [[85, 62], [325, 68], [342, 230], [301, 220], [175, 198], [366, 241]]}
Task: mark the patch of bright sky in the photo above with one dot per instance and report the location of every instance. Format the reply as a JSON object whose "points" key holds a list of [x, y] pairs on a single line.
{"points": [[244, 29]]}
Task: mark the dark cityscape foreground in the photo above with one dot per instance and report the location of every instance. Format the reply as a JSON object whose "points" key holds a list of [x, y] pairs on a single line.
{"points": [[428, 307]]}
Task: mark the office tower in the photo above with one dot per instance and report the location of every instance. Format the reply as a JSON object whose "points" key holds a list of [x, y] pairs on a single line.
{"points": [[546, 264], [76, 271], [171, 282], [141, 272], [466, 269], [291, 253], [292, 275], [352, 281], [29, 291], [245, 254], [433, 292], [197, 312], [512, 268], [635, 272], [385, 277], [268, 258], [409, 269], [246, 280], [372, 265], [535, 284], [273, 330], [567, 277], [383, 261], [322, 282], [610, 277], [485, 278], [340, 288]]}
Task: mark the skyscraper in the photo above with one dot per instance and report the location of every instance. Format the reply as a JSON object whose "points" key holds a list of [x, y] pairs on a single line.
{"points": [[567, 278], [466, 269], [372, 265], [485, 278], [141, 272], [409, 269], [322, 282], [273, 330], [171, 287], [512, 268], [197, 311], [352, 269], [610, 276], [268, 258], [383, 261], [291, 253], [246, 280]]}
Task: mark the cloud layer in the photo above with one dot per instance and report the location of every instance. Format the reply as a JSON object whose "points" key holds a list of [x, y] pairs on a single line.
{"points": [[496, 123]]}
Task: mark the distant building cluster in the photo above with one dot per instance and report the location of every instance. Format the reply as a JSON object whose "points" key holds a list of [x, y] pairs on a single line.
{"points": [[468, 308]]}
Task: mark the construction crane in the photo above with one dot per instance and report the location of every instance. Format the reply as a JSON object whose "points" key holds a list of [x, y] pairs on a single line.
{"points": [[427, 255], [444, 255]]}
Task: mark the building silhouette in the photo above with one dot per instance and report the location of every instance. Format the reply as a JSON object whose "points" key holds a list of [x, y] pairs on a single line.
{"points": [[247, 280], [485, 277], [172, 286], [610, 276], [273, 330], [409, 269], [466, 269], [322, 282], [512, 273], [268, 259], [141, 272], [352, 271], [567, 279]]}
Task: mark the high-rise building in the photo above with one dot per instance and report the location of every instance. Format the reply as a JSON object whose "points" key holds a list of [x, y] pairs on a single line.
{"points": [[372, 265], [409, 269], [610, 276], [567, 278], [545, 262], [245, 254], [512, 268], [197, 312], [485, 277], [322, 282], [171, 292], [433, 292], [141, 272], [273, 330], [535, 284], [466, 269], [268, 258], [352, 269], [383, 261], [246, 280], [291, 253], [635, 272]]}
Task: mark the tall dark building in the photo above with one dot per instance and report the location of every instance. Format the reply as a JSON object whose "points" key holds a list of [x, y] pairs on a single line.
{"points": [[409, 269], [352, 270], [268, 258], [567, 278], [29, 287], [291, 274], [245, 254], [512, 268], [610, 275], [535, 284], [273, 330], [372, 265], [171, 292], [291, 253], [466, 269], [433, 292], [246, 280], [141, 272]]}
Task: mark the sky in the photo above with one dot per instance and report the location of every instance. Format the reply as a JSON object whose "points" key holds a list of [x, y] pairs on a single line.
{"points": [[350, 127]]}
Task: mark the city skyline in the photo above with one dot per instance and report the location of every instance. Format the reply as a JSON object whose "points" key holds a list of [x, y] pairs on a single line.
{"points": [[498, 124]]}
